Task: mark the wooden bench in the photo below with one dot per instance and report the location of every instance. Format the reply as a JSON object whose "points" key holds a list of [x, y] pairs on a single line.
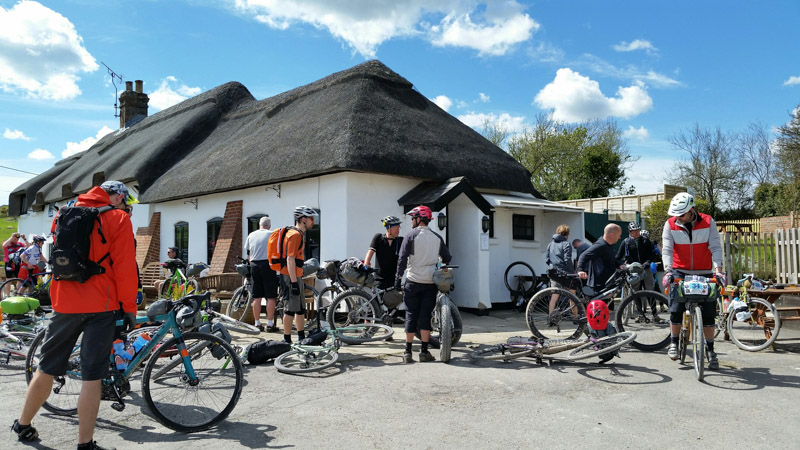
{"points": [[151, 273], [221, 285]]}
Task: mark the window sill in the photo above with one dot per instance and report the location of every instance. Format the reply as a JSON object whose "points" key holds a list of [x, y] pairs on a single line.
{"points": [[526, 244]]}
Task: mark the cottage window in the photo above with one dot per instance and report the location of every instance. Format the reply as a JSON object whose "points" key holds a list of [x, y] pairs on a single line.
{"points": [[522, 227], [252, 222], [212, 234], [182, 240], [313, 238]]}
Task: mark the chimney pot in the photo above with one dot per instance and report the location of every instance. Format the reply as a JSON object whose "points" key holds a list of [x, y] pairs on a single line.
{"points": [[129, 85], [139, 86]]}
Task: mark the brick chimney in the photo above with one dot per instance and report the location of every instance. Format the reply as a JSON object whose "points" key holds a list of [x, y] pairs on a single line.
{"points": [[132, 104]]}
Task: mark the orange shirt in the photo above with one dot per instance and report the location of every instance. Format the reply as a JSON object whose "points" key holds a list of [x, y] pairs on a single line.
{"points": [[292, 242]]}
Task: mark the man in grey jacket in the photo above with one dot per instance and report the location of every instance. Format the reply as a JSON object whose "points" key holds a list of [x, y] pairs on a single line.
{"points": [[422, 249]]}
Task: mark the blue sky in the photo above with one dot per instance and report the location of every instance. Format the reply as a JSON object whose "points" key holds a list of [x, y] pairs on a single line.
{"points": [[655, 67]]}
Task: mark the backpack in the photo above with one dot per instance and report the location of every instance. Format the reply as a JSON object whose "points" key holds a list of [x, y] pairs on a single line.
{"points": [[276, 249], [16, 258], [72, 242], [262, 351]]}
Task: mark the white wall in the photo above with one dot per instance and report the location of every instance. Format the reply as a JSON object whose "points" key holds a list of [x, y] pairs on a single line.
{"points": [[464, 228]]}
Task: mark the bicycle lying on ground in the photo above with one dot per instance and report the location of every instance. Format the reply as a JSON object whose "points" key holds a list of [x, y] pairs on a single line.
{"points": [[190, 382], [519, 347]]}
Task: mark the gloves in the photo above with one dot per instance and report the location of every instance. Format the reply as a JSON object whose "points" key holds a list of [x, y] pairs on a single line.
{"points": [[667, 280], [398, 284], [129, 321], [139, 297], [721, 279], [295, 288]]}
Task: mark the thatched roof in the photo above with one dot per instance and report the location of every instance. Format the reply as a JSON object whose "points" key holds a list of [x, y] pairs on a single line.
{"points": [[364, 119]]}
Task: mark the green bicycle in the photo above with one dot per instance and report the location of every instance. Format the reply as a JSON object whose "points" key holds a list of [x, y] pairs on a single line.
{"points": [[177, 285]]}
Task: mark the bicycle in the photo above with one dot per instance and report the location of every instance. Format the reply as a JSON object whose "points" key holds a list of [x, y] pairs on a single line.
{"points": [[519, 347], [752, 323], [696, 291], [527, 283], [190, 382], [177, 285], [36, 285], [14, 347]]}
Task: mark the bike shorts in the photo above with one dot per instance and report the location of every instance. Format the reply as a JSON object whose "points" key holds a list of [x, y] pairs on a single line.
{"points": [[265, 280], [11, 271], [420, 299], [294, 304], [95, 349], [676, 308]]}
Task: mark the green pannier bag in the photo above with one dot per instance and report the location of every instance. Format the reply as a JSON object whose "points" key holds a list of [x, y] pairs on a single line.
{"points": [[19, 305]]}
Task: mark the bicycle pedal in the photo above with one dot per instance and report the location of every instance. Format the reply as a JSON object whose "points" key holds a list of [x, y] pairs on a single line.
{"points": [[118, 406]]}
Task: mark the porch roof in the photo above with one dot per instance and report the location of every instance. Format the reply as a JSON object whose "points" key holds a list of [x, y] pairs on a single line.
{"points": [[527, 201], [438, 194]]}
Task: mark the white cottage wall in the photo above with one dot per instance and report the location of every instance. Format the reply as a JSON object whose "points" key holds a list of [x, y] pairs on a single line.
{"points": [[464, 227]]}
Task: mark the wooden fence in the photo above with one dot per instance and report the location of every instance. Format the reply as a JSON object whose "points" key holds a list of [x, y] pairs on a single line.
{"points": [[744, 225], [787, 245], [749, 253]]}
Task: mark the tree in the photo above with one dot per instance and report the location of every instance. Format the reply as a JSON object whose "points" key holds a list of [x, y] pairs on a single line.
{"points": [[656, 213], [572, 161], [755, 153], [788, 155], [769, 200], [494, 132], [711, 170]]}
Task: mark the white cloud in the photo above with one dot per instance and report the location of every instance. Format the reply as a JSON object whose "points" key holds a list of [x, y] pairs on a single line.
{"points": [[171, 92], [15, 134], [575, 98], [640, 133], [483, 97], [77, 147], [603, 67], [512, 124], [491, 28], [546, 52], [792, 81], [41, 53], [648, 174], [442, 101], [637, 44], [40, 154]]}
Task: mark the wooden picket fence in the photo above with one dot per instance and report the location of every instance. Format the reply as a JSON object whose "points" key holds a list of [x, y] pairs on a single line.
{"points": [[787, 245], [749, 253]]}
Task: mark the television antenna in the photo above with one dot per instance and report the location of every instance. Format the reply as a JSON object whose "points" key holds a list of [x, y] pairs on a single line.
{"points": [[114, 76]]}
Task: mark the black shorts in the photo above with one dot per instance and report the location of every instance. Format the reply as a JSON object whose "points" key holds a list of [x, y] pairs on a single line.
{"points": [[265, 280], [95, 348], [11, 272], [420, 299]]}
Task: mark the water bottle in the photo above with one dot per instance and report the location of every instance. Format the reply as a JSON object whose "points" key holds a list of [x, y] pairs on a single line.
{"points": [[726, 303], [140, 342], [121, 354]]}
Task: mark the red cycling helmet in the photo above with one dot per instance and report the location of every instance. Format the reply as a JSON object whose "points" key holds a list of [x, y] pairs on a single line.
{"points": [[597, 314], [423, 212]]}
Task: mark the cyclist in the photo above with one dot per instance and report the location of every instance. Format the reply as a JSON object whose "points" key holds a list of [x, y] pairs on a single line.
{"points": [[89, 308], [559, 263], [292, 272], [691, 246], [172, 263], [14, 243], [597, 264], [29, 260], [422, 249], [579, 247], [265, 280], [638, 249], [386, 248]]}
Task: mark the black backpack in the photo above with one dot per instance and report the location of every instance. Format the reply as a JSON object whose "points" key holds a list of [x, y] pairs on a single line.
{"points": [[262, 351], [70, 258]]}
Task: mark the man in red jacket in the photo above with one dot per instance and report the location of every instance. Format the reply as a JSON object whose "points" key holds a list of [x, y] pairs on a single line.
{"points": [[88, 308]]}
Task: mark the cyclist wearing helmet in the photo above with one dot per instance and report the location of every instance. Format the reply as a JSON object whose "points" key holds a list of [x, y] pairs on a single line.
{"points": [[691, 246], [385, 247], [597, 264], [29, 259], [422, 249], [13, 244], [290, 274], [637, 249], [90, 308]]}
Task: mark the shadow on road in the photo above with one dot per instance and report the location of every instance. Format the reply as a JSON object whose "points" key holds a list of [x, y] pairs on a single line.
{"points": [[749, 379]]}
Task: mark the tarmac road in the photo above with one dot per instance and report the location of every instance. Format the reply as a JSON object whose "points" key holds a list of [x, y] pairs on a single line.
{"points": [[370, 399]]}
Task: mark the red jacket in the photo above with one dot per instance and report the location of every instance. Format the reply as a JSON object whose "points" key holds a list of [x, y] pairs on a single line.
{"points": [[118, 285], [695, 253]]}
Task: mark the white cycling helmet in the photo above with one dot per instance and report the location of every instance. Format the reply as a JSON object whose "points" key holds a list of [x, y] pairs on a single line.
{"points": [[681, 204], [305, 211]]}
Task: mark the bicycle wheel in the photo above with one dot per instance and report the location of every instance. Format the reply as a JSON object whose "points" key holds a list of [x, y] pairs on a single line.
{"points": [[757, 332], [500, 352], [652, 333], [234, 325], [63, 399], [240, 304], [698, 342], [14, 347], [519, 269], [445, 332], [721, 320], [601, 346], [683, 344], [10, 287], [184, 405], [458, 326], [357, 334], [351, 307], [567, 320], [305, 361]]}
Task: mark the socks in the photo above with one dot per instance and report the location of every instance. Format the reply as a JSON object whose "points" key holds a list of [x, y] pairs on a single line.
{"points": [[424, 347], [301, 335], [287, 338], [674, 339], [408, 347], [270, 323], [258, 323]]}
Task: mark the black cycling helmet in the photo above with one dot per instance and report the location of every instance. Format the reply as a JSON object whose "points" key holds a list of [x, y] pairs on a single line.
{"points": [[38, 238], [390, 221], [633, 226]]}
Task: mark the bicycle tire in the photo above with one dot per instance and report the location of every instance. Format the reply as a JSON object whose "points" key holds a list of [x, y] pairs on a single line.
{"points": [[160, 397], [295, 361], [234, 325], [63, 399], [650, 336], [753, 334], [564, 316], [351, 307], [683, 345], [190, 287], [523, 292], [445, 333], [601, 346], [721, 319], [240, 303], [698, 342], [371, 332], [13, 287], [14, 349], [500, 352], [458, 327]]}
